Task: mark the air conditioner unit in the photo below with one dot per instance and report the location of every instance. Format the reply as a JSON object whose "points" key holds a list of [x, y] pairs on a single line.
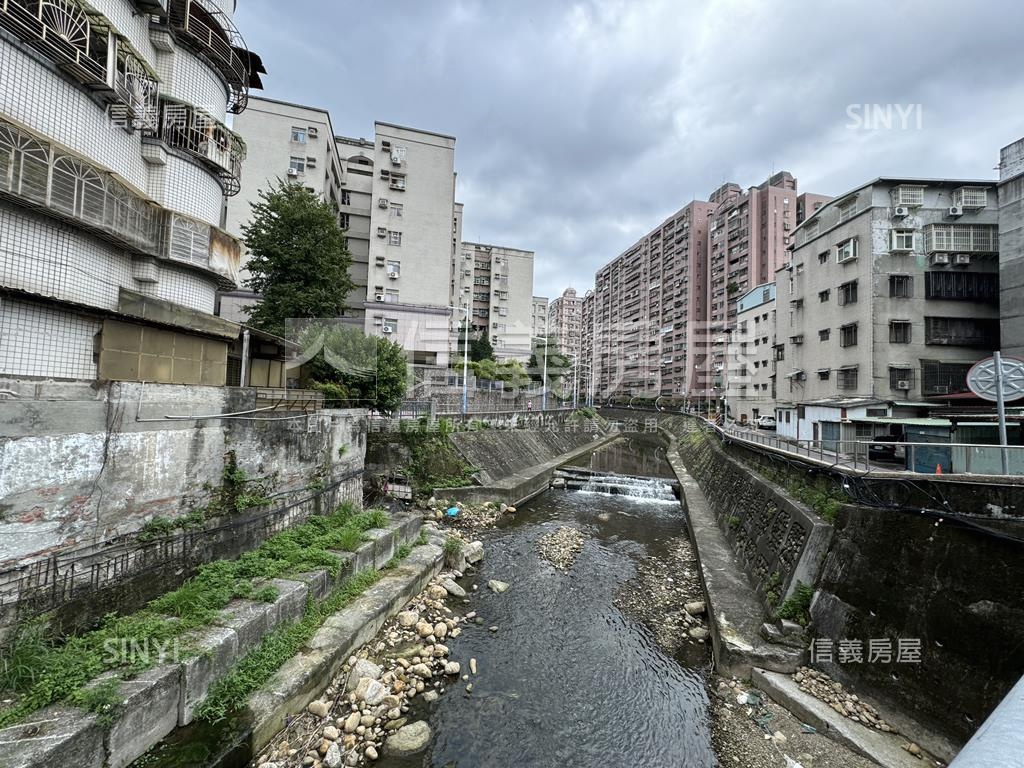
{"points": [[955, 210], [378, 297], [393, 275], [382, 203], [388, 329], [961, 259], [469, 256], [396, 159], [292, 172], [900, 211], [940, 258], [312, 132], [382, 231], [902, 384]]}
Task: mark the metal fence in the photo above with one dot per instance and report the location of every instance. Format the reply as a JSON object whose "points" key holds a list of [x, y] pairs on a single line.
{"points": [[46, 584]]}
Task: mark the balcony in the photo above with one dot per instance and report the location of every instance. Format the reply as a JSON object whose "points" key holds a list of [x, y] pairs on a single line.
{"points": [[212, 35], [36, 174], [191, 130], [80, 41]]}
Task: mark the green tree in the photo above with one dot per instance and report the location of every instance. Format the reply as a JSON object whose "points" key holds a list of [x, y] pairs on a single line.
{"points": [[558, 363], [299, 258], [352, 368], [480, 347]]}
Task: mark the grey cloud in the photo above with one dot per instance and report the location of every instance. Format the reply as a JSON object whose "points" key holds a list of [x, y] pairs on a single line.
{"points": [[581, 125]]}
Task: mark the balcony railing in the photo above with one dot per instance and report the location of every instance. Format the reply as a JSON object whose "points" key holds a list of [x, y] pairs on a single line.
{"points": [[34, 172], [193, 131], [79, 41], [213, 35]]}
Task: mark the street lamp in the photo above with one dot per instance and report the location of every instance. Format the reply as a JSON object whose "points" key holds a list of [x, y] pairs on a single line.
{"points": [[465, 361], [544, 375]]}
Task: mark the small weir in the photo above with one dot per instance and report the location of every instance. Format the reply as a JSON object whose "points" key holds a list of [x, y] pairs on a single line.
{"points": [[613, 484]]}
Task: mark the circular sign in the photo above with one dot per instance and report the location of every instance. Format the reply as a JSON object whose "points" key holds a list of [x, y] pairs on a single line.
{"points": [[981, 379]]}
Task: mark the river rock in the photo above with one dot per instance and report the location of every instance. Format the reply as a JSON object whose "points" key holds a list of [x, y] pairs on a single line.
{"points": [[351, 722], [371, 753], [473, 552], [430, 696], [409, 739], [472, 666], [440, 630], [371, 691], [318, 708], [333, 757], [424, 629], [696, 608], [452, 668], [421, 670], [699, 633], [331, 733], [362, 668], [436, 592], [452, 588], [408, 619], [497, 586]]}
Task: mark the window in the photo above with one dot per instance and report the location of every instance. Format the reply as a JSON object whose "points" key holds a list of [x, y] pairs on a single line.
{"points": [[962, 286], [394, 267], [299, 135], [848, 335], [961, 238], [398, 182], [901, 378], [901, 286], [824, 374], [876, 413], [823, 295], [846, 378], [899, 331], [297, 164], [391, 295], [346, 197], [863, 431], [343, 221], [397, 210], [848, 293], [911, 195], [971, 197], [394, 238], [939, 378], [846, 250], [902, 240], [398, 154], [824, 334], [847, 210], [780, 351], [961, 331], [823, 257]]}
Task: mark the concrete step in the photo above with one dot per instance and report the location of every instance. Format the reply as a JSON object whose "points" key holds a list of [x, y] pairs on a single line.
{"points": [[167, 696]]}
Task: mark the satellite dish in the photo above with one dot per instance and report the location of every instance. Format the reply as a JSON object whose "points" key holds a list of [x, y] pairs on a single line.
{"points": [[981, 379]]}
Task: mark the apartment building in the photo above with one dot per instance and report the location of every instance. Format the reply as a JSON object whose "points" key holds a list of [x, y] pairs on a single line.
{"points": [[891, 295], [115, 161], [649, 311], [750, 363], [539, 315], [586, 359], [1011, 241], [565, 317], [497, 283]]}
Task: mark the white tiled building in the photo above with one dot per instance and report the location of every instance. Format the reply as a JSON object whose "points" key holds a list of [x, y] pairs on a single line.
{"points": [[115, 161]]}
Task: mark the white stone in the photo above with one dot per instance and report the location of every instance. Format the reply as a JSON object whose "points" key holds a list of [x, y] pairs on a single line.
{"points": [[497, 586]]}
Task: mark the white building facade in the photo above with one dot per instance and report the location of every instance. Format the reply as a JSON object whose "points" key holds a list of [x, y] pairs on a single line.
{"points": [[497, 283], [750, 374], [115, 161]]}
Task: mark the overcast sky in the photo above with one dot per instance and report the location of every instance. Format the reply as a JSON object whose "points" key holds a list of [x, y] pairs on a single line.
{"points": [[581, 125]]}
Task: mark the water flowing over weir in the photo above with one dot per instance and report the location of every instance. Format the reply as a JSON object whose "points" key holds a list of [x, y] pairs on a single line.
{"points": [[647, 488], [565, 677]]}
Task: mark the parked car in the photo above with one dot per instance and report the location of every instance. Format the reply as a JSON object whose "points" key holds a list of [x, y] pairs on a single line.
{"points": [[765, 422], [883, 448]]}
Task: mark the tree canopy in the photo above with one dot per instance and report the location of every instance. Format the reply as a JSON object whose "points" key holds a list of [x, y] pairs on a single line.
{"points": [[480, 347], [298, 258]]}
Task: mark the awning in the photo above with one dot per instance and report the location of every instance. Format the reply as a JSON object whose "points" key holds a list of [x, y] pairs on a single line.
{"points": [[254, 65]]}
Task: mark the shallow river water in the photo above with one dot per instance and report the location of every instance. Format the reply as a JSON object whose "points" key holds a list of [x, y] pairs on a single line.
{"points": [[568, 680]]}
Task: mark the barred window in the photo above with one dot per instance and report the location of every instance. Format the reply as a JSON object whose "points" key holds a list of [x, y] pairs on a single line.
{"points": [[77, 190], [909, 195], [846, 378], [961, 331], [848, 335], [962, 286], [901, 286], [848, 293], [899, 331]]}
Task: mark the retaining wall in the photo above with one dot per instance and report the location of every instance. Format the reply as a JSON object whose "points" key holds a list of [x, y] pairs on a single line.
{"points": [[83, 463]]}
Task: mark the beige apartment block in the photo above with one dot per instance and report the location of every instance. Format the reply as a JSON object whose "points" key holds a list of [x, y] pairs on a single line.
{"points": [[497, 283], [540, 315], [411, 242], [565, 318], [750, 364], [892, 293]]}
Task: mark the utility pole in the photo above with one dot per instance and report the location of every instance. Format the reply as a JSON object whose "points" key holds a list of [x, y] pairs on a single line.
{"points": [[465, 360]]}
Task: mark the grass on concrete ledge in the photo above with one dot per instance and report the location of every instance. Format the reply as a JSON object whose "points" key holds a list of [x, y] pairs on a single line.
{"points": [[230, 693], [35, 673]]}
